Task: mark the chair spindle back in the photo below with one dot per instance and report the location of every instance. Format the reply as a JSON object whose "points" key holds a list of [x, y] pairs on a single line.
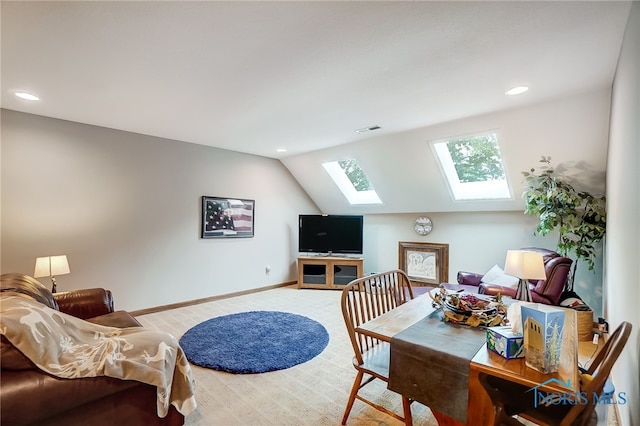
{"points": [[369, 297]]}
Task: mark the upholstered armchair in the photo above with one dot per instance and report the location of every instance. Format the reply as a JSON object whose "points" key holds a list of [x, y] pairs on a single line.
{"points": [[546, 291]]}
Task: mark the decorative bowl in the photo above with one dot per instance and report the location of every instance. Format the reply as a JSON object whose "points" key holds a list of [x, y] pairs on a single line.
{"points": [[468, 304]]}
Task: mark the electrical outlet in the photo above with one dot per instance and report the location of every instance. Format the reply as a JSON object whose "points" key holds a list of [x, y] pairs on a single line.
{"points": [[267, 269]]}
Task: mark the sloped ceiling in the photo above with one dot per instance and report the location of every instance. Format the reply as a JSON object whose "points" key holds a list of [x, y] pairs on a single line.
{"points": [[257, 76], [404, 171]]}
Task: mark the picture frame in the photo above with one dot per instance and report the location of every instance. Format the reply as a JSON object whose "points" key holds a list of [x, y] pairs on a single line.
{"points": [[424, 263], [224, 217]]}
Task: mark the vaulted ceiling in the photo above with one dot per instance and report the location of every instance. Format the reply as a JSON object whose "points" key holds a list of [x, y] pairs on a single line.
{"points": [[258, 76]]}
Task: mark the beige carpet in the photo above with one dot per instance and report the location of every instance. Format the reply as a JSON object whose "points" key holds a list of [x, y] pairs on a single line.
{"points": [[313, 393], [309, 394]]}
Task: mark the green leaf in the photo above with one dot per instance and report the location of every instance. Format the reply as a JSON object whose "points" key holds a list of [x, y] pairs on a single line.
{"points": [[579, 217]]}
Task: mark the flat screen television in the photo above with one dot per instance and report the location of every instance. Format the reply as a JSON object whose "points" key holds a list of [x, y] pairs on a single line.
{"points": [[330, 234]]}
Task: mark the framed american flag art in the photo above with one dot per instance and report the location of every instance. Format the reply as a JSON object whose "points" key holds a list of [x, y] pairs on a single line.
{"points": [[227, 217]]}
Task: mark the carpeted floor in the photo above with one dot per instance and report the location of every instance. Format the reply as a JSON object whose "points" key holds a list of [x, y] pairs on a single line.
{"points": [[254, 342], [310, 394]]}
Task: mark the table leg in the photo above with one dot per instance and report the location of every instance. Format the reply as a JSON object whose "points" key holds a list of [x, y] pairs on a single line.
{"points": [[480, 410]]}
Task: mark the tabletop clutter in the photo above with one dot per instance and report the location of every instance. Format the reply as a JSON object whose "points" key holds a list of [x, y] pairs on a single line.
{"points": [[517, 329]]}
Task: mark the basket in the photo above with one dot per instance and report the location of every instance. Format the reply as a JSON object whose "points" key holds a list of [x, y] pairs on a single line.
{"points": [[585, 325]]}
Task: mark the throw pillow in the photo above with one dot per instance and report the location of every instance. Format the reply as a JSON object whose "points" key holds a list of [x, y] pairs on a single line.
{"points": [[496, 276]]}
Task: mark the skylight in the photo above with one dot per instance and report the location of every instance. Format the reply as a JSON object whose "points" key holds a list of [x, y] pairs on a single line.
{"points": [[473, 168], [352, 181]]}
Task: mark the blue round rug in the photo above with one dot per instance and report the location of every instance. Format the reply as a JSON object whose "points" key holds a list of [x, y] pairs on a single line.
{"points": [[254, 342]]}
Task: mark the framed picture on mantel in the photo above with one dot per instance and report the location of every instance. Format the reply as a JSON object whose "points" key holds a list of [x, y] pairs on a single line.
{"points": [[227, 217], [424, 263]]}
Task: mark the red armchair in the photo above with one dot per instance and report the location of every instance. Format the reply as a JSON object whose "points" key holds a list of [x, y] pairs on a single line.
{"points": [[546, 291]]}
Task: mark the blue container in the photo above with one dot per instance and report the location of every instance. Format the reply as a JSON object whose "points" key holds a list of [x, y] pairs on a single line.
{"points": [[503, 341]]}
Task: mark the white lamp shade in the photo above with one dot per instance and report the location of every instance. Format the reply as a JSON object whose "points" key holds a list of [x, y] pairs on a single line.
{"points": [[51, 266], [527, 265]]}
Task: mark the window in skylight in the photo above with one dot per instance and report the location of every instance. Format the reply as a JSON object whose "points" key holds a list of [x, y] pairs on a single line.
{"points": [[473, 167], [352, 181]]}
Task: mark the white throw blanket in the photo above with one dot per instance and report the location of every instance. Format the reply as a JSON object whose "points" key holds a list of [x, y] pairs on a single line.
{"points": [[68, 347]]}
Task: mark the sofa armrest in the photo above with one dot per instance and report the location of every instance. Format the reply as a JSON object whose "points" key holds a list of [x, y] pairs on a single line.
{"points": [[494, 289], [469, 278], [120, 319], [86, 303]]}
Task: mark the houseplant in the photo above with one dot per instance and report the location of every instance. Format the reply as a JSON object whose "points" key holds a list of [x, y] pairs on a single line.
{"points": [[578, 216]]}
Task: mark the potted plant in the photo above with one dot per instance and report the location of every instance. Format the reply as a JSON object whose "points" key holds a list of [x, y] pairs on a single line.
{"points": [[578, 216]]}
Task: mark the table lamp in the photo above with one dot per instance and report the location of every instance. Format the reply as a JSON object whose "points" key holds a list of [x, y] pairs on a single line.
{"points": [[50, 266], [525, 265]]}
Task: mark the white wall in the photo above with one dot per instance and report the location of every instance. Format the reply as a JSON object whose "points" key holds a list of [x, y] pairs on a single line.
{"points": [[125, 208], [622, 262], [477, 241]]}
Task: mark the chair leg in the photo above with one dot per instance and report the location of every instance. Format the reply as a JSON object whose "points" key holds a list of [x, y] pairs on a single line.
{"points": [[352, 397], [406, 408], [502, 418]]}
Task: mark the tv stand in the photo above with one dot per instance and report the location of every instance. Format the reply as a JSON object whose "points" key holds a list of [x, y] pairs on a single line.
{"points": [[328, 272]]}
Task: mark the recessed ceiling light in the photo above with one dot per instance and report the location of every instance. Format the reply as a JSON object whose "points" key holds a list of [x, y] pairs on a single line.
{"points": [[281, 150], [516, 90], [368, 129], [27, 96]]}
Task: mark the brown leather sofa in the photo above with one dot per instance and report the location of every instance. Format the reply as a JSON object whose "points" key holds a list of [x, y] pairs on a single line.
{"points": [[547, 291], [28, 396]]}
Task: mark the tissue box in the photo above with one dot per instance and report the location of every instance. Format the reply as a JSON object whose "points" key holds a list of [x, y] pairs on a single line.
{"points": [[542, 327], [505, 342]]}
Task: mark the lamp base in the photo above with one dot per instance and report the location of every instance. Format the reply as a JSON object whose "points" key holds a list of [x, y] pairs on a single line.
{"points": [[53, 285], [523, 293]]}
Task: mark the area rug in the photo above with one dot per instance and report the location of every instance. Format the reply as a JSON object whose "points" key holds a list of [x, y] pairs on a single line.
{"points": [[254, 342]]}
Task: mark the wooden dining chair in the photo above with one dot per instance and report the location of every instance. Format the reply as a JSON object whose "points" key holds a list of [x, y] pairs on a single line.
{"points": [[363, 300], [510, 399]]}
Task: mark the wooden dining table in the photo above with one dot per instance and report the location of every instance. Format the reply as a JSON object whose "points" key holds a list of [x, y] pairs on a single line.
{"points": [[483, 361]]}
